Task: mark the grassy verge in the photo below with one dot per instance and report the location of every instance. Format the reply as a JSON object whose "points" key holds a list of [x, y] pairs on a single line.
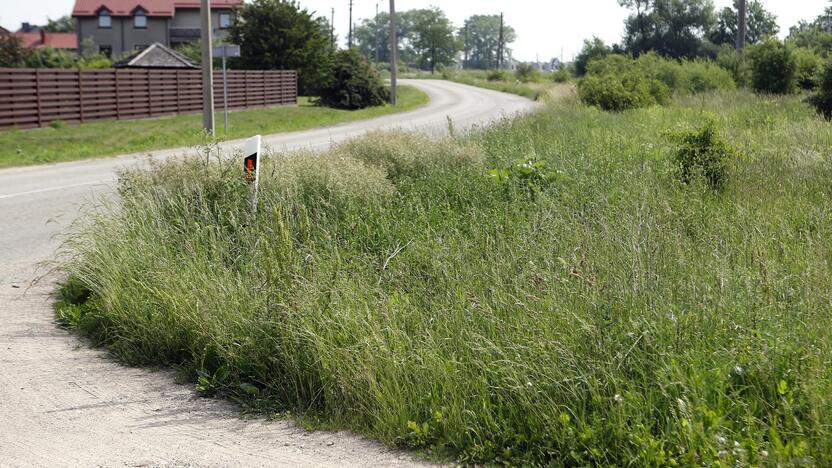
{"points": [[541, 90], [583, 308], [106, 138]]}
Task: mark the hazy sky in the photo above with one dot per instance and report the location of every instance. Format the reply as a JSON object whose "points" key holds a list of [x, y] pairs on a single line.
{"points": [[544, 28]]}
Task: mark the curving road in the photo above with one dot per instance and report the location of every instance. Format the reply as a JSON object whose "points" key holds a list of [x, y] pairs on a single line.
{"points": [[64, 404]]}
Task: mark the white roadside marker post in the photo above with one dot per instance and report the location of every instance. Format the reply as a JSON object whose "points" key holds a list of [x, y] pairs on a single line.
{"points": [[251, 153]]}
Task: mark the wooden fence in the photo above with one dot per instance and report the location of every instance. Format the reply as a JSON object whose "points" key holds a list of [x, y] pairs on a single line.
{"points": [[34, 97]]}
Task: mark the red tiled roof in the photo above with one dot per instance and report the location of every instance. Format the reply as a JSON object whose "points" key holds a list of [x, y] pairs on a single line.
{"points": [[152, 7], [48, 39]]}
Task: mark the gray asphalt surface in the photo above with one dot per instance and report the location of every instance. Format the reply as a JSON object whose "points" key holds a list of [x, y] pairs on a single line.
{"points": [[65, 404]]}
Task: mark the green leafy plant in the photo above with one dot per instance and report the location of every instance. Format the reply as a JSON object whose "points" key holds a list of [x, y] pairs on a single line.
{"points": [[526, 73], [355, 84], [809, 65], [561, 76], [773, 68], [823, 99], [497, 75], [702, 153], [530, 174], [622, 90]]}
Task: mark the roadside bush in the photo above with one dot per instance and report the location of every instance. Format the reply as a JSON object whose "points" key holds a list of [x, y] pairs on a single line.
{"points": [[526, 73], [702, 153], [561, 76], [809, 65], [735, 64], [823, 99], [773, 68], [622, 90], [497, 75], [355, 84]]}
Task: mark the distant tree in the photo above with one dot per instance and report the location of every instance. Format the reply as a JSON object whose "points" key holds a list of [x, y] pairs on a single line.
{"points": [[12, 52], [673, 28], [374, 34], [481, 41], [63, 24], [592, 49], [816, 35], [761, 24], [280, 35], [433, 38]]}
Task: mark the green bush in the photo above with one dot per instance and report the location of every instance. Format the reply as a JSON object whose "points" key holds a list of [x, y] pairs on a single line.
{"points": [[497, 75], [823, 99], [561, 76], [355, 84], [622, 90], [773, 68], [526, 73], [702, 153], [808, 68], [734, 63]]}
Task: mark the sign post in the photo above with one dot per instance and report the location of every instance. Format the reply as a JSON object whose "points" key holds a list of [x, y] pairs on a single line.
{"points": [[251, 153], [224, 51]]}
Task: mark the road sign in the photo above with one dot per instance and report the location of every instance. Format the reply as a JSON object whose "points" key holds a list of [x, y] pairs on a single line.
{"points": [[227, 50], [251, 153]]}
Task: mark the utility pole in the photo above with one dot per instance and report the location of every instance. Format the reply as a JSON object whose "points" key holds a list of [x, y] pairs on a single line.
{"points": [[349, 39], [742, 25], [394, 48], [332, 29], [500, 46], [378, 35], [207, 69]]}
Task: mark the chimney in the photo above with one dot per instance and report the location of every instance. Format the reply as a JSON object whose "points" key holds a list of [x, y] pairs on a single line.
{"points": [[42, 37]]}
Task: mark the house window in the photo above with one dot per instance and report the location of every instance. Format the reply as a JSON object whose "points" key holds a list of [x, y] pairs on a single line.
{"points": [[139, 19], [104, 19], [225, 20]]}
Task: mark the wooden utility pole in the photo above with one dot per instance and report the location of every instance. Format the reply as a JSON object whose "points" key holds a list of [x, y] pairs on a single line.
{"points": [[500, 46], [332, 29], [349, 39], [742, 25], [394, 48], [378, 35], [207, 69]]}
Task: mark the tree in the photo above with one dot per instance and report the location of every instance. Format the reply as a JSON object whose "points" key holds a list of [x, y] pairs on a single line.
{"points": [[279, 35], [374, 34], [761, 24], [481, 41], [63, 24], [433, 38], [773, 67], [673, 28], [12, 52], [816, 35], [592, 49]]}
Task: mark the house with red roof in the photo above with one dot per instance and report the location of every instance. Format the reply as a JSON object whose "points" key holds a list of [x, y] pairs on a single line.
{"points": [[118, 26]]}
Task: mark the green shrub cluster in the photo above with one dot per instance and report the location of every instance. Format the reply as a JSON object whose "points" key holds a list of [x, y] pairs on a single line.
{"points": [[773, 68], [526, 73], [703, 153], [561, 76], [823, 99], [497, 75], [808, 68], [355, 84]]}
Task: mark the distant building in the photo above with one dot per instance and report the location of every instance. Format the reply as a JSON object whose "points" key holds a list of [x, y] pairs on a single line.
{"points": [[41, 38], [118, 26], [156, 56]]}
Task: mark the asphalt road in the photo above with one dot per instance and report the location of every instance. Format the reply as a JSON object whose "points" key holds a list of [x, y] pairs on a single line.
{"points": [[65, 404]]}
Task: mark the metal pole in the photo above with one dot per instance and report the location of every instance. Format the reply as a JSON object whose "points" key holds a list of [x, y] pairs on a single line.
{"points": [[224, 88], [394, 46], [207, 69], [742, 22], [500, 46]]}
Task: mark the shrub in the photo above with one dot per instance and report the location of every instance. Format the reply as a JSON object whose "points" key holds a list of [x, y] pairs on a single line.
{"points": [[773, 68], [823, 100], [702, 153], [497, 75], [592, 50], [734, 63], [561, 76], [526, 73], [355, 84], [699, 76], [808, 68], [628, 89]]}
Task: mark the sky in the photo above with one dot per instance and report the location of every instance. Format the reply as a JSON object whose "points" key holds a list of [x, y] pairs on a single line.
{"points": [[546, 29]]}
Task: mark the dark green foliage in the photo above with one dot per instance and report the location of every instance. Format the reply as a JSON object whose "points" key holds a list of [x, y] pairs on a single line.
{"points": [[672, 28], [702, 153], [815, 35], [808, 70], [280, 35], [355, 84], [497, 75], [12, 53], [561, 76], [622, 89], [433, 39], [481, 39], [63, 24], [761, 24], [773, 68], [593, 49], [526, 73], [823, 99]]}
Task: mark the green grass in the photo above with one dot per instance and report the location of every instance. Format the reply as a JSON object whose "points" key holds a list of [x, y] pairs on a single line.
{"points": [[64, 142], [587, 308], [537, 90]]}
